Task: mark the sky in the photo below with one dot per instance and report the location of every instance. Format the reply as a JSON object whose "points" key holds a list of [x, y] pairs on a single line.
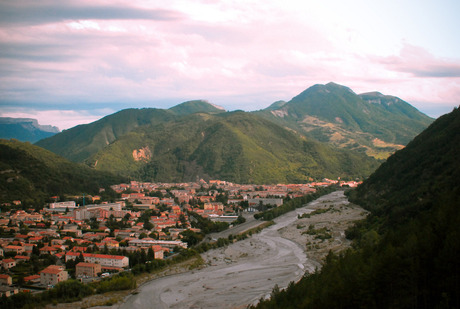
{"points": [[72, 62]]}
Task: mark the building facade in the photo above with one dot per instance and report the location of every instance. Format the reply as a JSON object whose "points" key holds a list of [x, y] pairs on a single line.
{"points": [[102, 259], [87, 269], [52, 275]]}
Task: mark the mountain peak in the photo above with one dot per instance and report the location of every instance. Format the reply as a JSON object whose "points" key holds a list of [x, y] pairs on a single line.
{"points": [[332, 85], [276, 105], [196, 106]]}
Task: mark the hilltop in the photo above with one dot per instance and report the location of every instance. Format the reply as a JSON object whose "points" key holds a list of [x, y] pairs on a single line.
{"points": [[371, 123]]}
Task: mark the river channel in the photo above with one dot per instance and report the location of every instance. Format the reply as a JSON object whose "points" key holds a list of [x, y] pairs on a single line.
{"points": [[237, 275]]}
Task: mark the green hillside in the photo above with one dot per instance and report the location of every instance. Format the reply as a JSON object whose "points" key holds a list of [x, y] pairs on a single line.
{"points": [[405, 254], [276, 105], [371, 123], [198, 139], [236, 146], [30, 173], [81, 142], [196, 106], [394, 105]]}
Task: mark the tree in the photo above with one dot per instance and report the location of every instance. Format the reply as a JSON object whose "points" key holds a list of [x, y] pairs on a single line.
{"points": [[35, 251], [94, 224], [148, 225], [150, 254]]}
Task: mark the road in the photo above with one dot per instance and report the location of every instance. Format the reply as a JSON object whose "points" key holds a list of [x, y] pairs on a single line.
{"points": [[237, 229]]}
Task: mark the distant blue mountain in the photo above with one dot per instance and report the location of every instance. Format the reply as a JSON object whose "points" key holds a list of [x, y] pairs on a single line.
{"points": [[25, 129]]}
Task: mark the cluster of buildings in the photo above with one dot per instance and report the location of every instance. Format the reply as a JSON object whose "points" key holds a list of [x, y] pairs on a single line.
{"points": [[80, 233]]}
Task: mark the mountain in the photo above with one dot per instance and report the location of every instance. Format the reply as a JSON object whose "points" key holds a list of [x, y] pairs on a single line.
{"points": [[416, 177], [81, 142], [237, 146], [405, 254], [131, 142], [370, 123], [25, 129], [394, 105], [32, 174], [197, 106], [276, 105]]}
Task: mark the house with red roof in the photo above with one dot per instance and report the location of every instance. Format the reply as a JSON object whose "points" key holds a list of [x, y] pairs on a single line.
{"points": [[5, 279], [53, 274], [102, 259], [8, 263], [16, 249], [87, 269], [32, 279], [24, 258]]}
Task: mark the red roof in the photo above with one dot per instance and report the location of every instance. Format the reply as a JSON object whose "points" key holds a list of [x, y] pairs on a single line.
{"points": [[100, 256], [83, 264], [33, 277], [51, 271]]}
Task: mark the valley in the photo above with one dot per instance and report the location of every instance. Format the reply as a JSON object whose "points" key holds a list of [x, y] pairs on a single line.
{"points": [[165, 230], [241, 273]]}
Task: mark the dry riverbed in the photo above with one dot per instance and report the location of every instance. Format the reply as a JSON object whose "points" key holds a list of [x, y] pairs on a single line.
{"points": [[313, 233], [243, 272]]}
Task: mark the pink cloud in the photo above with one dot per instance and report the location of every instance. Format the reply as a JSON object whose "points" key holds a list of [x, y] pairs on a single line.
{"points": [[239, 55], [420, 63]]}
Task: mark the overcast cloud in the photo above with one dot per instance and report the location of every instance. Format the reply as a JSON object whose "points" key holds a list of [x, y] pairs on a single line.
{"points": [[71, 62]]}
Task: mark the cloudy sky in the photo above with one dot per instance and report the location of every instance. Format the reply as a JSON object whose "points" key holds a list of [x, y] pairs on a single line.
{"points": [[75, 61]]}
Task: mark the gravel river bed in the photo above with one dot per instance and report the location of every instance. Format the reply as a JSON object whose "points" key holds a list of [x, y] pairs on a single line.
{"points": [[243, 272]]}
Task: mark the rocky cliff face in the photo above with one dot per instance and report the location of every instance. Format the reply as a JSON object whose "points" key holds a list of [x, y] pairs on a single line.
{"points": [[143, 154]]}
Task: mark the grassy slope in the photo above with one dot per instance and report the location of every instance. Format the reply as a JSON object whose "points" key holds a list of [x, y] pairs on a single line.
{"points": [[31, 173], [334, 114]]}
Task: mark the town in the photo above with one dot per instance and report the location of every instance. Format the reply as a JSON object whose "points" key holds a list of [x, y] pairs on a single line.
{"points": [[88, 238]]}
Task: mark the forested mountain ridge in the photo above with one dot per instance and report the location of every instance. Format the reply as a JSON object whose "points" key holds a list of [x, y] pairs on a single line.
{"points": [[418, 174], [32, 174], [405, 254], [80, 142], [236, 146], [371, 123], [131, 142]]}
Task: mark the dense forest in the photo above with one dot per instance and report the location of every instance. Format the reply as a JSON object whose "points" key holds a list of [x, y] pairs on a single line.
{"points": [[32, 174], [235, 146], [405, 254]]}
